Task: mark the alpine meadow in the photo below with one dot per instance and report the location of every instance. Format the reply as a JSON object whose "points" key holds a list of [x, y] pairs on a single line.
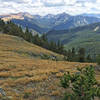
{"points": [[49, 50]]}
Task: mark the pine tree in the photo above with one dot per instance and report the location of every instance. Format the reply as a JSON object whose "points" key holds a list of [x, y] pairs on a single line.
{"points": [[44, 37], [81, 54], [69, 55], [73, 52], [89, 59], [53, 46], [98, 59], [2, 24], [44, 41], [37, 40], [60, 47]]}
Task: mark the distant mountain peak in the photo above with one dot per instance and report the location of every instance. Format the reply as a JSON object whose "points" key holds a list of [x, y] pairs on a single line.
{"points": [[19, 15], [57, 15], [49, 16], [41, 24], [64, 14], [91, 15]]}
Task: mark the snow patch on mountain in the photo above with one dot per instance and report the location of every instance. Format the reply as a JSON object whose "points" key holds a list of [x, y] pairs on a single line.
{"points": [[97, 28]]}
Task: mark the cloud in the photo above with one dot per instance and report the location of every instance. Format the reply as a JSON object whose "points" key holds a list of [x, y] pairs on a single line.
{"points": [[52, 3], [16, 1], [43, 7]]}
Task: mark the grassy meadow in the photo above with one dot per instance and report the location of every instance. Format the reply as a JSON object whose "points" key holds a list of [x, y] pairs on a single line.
{"points": [[24, 75]]}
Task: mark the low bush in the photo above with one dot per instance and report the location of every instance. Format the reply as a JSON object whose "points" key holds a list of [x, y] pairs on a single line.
{"points": [[83, 85]]}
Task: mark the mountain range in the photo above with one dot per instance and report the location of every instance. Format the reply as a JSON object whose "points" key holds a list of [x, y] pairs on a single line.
{"points": [[48, 22], [73, 31], [91, 15]]}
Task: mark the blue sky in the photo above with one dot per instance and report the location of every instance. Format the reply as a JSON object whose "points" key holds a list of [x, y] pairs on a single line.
{"points": [[44, 7]]}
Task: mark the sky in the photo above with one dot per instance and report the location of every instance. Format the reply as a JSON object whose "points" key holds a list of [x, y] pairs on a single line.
{"points": [[43, 7]]}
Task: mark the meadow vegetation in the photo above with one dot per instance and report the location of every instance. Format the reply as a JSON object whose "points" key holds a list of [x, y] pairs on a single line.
{"points": [[82, 84], [25, 77]]}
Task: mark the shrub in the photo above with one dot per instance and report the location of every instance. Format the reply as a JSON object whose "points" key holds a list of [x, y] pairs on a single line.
{"points": [[82, 84], [44, 56], [26, 95]]}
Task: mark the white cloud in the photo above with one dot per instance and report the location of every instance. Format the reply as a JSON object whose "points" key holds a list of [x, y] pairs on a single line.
{"points": [[53, 1], [70, 2], [50, 6], [98, 1]]}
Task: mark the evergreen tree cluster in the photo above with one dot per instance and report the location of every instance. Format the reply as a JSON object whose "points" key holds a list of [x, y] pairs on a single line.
{"points": [[13, 29], [77, 55], [50, 45]]}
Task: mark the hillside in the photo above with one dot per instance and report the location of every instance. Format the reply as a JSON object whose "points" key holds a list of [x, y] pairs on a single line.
{"points": [[30, 23], [24, 76], [86, 36], [19, 47], [25, 20]]}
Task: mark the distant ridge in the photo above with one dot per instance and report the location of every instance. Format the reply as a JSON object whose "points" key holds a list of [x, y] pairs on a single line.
{"points": [[87, 36], [43, 24]]}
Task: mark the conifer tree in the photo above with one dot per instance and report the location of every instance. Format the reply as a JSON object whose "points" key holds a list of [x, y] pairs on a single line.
{"points": [[98, 59], [81, 54], [89, 59], [73, 52]]}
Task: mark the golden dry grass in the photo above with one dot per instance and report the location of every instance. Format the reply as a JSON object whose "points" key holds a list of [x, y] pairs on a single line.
{"points": [[21, 75]]}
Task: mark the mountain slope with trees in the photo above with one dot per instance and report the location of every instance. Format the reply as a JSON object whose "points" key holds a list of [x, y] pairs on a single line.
{"points": [[87, 37], [12, 29], [42, 41], [30, 24]]}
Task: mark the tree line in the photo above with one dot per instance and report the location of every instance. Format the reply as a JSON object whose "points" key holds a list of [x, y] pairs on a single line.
{"points": [[70, 55], [13, 29], [78, 55]]}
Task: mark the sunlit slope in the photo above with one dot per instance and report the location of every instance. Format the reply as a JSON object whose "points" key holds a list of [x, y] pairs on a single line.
{"points": [[25, 77], [11, 46]]}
